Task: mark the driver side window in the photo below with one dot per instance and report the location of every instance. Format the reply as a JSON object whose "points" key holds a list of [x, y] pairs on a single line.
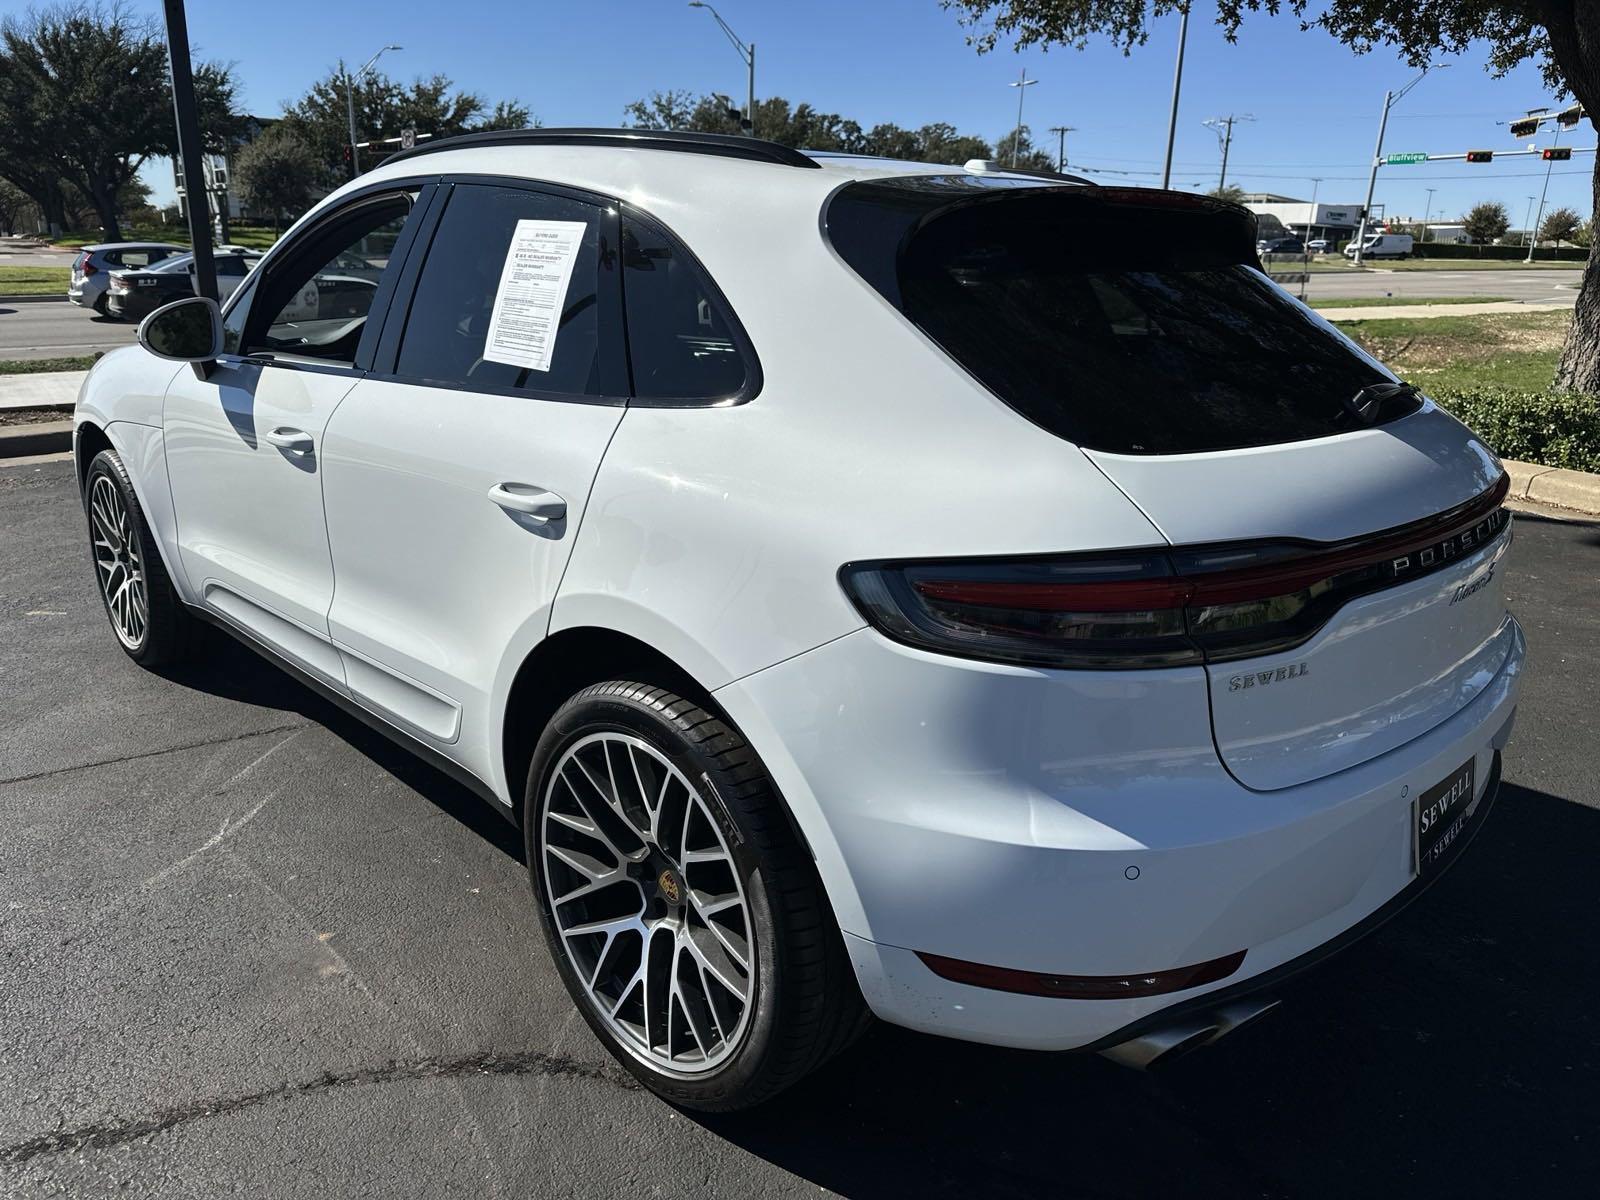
{"points": [[315, 303]]}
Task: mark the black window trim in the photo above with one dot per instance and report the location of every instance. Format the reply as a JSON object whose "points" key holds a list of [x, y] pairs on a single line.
{"points": [[614, 348], [741, 340], [377, 316]]}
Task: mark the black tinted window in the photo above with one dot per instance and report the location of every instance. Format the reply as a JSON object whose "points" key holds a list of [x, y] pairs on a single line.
{"points": [[496, 265], [1118, 321], [679, 338]]}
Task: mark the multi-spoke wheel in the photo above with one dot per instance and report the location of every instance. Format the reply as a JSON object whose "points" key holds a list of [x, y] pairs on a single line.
{"points": [[687, 923], [145, 612], [117, 563], [644, 893]]}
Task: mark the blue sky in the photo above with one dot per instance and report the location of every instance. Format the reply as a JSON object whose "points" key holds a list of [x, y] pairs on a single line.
{"points": [[578, 62]]}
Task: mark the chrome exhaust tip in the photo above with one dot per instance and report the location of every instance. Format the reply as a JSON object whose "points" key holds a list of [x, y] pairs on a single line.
{"points": [[1173, 1041]]}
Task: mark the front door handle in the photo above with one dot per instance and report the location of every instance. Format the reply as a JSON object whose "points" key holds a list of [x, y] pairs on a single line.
{"points": [[295, 441], [530, 501]]}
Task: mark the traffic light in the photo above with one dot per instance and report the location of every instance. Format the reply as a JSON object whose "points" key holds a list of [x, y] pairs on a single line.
{"points": [[1558, 153], [1567, 118], [1480, 155], [1526, 128]]}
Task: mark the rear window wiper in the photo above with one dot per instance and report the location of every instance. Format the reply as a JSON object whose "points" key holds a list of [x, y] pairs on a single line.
{"points": [[1382, 401]]}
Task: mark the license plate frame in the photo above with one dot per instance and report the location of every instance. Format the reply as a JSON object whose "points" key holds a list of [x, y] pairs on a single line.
{"points": [[1441, 814]]}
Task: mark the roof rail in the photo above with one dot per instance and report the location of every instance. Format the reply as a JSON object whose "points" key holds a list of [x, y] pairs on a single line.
{"points": [[719, 144]]}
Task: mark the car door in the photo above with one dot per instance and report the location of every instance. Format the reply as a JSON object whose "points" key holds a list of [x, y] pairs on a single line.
{"points": [[456, 474], [243, 438]]}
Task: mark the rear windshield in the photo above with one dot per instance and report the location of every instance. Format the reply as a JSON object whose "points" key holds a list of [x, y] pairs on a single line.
{"points": [[1122, 320]]}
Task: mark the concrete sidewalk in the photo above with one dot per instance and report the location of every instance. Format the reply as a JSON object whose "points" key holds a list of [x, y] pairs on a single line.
{"points": [[1384, 312], [41, 390]]}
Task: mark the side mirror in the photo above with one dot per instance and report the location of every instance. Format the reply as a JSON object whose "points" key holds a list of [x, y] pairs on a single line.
{"points": [[187, 330]]}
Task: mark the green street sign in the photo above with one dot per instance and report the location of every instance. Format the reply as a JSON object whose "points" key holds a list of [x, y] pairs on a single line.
{"points": [[1405, 160]]}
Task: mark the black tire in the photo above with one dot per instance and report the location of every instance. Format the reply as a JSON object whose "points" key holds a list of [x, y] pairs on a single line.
{"points": [[805, 1005], [168, 626], [102, 305]]}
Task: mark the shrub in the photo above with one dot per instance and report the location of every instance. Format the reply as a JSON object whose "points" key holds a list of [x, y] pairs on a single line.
{"points": [[1553, 429]]}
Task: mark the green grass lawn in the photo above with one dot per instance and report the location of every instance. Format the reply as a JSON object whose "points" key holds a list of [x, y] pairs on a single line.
{"points": [[1513, 350], [39, 366], [257, 237], [1469, 264], [34, 281], [1386, 301]]}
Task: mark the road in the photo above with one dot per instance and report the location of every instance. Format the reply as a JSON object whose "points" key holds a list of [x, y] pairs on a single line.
{"points": [[1548, 286], [56, 329], [246, 947]]}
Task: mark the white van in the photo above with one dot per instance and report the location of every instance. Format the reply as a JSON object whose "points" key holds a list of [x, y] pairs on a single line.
{"points": [[1383, 245]]}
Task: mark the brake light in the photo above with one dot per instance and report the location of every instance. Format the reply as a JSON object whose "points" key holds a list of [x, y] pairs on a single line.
{"points": [[119, 284], [1159, 607]]}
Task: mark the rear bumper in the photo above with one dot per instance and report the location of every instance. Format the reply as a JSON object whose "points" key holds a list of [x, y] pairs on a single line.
{"points": [[1063, 823]]}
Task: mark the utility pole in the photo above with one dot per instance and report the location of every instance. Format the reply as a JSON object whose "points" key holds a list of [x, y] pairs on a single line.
{"points": [[1177, 87], [1427, 213], [1022, 85], [189, 149], [1223, 128], [1389, 101], [1061, 132], [1527, 221], [1533, 230]]}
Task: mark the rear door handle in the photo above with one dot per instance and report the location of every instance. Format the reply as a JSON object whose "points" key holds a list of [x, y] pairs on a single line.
{"points": [[295, 441], [530, 501]]}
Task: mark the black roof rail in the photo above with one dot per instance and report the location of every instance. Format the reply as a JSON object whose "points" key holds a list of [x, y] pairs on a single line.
{"points": [[719, 144]]}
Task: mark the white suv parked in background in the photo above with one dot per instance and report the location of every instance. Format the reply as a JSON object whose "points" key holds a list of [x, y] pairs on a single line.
{"points": [[866, 595]]}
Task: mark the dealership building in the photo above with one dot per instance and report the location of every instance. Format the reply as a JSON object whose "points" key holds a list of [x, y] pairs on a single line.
{"points": [[1336, 222]]}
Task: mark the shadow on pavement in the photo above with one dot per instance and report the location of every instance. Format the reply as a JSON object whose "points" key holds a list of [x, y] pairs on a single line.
{"points": [[230, 670], [1454, 1053]]}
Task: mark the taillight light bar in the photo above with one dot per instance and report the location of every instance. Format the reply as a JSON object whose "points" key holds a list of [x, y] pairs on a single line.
{"points": [[1159, 607]]}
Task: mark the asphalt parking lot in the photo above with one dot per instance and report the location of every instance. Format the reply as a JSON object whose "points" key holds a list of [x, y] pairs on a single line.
{"points": [[246, 947]]}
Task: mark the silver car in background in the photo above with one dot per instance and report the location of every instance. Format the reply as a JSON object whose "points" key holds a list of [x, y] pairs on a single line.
{"points": [[91, 270]]}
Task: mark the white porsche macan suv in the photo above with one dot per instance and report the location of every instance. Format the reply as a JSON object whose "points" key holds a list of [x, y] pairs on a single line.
{"points": [[978, 599]]}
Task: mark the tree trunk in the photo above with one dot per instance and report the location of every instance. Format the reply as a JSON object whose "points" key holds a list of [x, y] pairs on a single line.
{"points": [[103, 195], [1579, 368]]}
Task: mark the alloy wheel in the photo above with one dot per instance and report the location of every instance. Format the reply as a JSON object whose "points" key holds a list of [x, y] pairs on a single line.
{"points": [[648, 903], [118, 563]]}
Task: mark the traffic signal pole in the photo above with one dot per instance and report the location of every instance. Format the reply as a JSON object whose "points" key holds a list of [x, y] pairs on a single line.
{"points": [[1372, 181], [189, 148], [1533, 232]]}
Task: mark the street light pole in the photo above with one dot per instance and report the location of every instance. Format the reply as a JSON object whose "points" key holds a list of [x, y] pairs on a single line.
{"points": [[1533, 230], [1061, 132], [1427, 213], [1526, 220], [350, 106], [747, 54], [1389, 101], [1177, 87], [1022, 85]]}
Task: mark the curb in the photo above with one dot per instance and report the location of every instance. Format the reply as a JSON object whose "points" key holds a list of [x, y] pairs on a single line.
{"points": [[35, 298], [1577, 490], [22, 441]]}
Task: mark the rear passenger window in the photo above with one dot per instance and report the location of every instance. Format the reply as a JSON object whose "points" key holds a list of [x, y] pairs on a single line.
{"points": [[680, 338], [550, 338]]}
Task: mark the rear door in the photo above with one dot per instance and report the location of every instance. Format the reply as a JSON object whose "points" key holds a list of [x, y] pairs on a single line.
{"points": [[244, 442], [456, 475]]}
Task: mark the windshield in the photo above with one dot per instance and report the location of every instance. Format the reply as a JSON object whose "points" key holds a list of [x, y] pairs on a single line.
{"points": [[1125, 320]]}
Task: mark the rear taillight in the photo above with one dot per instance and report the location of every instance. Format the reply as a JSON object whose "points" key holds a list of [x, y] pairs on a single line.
{"points": [[118, 284], [1155, 608], [83, 265]]}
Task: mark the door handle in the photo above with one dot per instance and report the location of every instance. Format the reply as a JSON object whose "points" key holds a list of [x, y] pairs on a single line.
{"points": [[295, 441], [530, 501]]}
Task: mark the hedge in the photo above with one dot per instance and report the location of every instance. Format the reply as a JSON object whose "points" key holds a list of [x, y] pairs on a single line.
{"points": [[1575, 254], [1552, 429]]}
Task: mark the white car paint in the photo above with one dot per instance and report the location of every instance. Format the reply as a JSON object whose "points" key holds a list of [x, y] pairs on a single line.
{"points": [[1058, 821]]}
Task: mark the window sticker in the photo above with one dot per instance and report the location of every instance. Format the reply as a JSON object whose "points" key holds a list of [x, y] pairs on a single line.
{"points": [[533, 293]]}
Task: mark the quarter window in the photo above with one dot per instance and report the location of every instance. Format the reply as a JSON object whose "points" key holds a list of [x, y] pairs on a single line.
{"points": [[680, 339], [549, 339]]}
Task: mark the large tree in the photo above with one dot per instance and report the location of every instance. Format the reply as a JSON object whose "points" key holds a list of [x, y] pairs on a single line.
{"points": [[85, 99], [1560, 226], [1486, 222], [276, 173], [383, 109], [1562, 36]]}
